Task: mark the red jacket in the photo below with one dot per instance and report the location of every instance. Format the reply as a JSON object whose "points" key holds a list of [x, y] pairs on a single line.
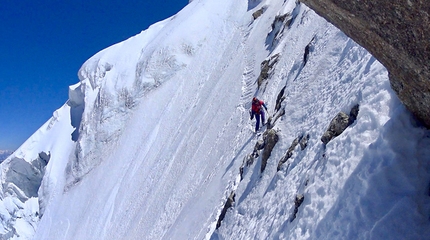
{"points": [[256, 106]]}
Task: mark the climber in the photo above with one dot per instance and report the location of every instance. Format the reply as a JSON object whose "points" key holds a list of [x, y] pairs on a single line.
{"points": [[257, 111]]}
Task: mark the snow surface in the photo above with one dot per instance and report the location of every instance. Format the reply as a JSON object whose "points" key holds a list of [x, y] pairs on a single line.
{"points": [[150, 143]]}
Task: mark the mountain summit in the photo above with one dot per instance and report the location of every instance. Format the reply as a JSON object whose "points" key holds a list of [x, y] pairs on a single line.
{"points": [[156, 140]]}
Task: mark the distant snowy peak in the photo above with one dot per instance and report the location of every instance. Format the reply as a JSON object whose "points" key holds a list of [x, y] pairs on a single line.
{"points": [[4, 154]]}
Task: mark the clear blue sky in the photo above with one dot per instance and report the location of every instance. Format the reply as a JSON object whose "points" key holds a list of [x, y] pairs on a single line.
{"points": [[44, 43]]}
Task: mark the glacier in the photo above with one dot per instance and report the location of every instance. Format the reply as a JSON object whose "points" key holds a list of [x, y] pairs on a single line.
{"points": [[156, 138]]}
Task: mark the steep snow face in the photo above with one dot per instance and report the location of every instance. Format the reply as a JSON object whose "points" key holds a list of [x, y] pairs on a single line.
{"points": [[114, 80], [371, 182], [158, 152], [156, 136]]}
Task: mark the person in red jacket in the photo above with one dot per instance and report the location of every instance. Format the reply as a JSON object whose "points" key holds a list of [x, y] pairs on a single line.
{"points": [[258, 112]]}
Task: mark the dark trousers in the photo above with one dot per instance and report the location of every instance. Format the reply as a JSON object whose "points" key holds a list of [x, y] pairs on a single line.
{"points": [[257, 118]]}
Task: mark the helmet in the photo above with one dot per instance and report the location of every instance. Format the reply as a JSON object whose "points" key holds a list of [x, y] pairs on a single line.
{"points": [[254, 99]]}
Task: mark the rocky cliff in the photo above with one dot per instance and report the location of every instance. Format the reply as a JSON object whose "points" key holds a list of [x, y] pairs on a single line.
{"points": [[397, 33]]}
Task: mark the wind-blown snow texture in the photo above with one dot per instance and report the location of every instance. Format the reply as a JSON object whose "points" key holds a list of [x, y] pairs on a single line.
{"points": [[150, 143]]}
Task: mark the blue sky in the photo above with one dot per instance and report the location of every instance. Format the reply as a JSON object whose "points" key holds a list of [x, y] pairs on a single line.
{"points": [[44, 43]]}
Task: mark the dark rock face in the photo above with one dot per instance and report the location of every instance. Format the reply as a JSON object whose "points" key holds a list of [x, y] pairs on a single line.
{"points": [[302, 140], [258, 13], [270, 139], [288, 154], [280, 99], [266, 69], [397, 33], [228, 204], [297, 203], [337, 125]]}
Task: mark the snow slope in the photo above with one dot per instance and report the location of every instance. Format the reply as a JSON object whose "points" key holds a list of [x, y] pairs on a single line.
{"points": [[152, 139]]}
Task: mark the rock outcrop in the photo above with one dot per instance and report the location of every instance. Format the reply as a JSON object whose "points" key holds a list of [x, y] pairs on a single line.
{"points": [[228, 204], [258, 13], [339, 123], [397, 34], [270, 139], [297, 203], [302, 140], [267, 67]]}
